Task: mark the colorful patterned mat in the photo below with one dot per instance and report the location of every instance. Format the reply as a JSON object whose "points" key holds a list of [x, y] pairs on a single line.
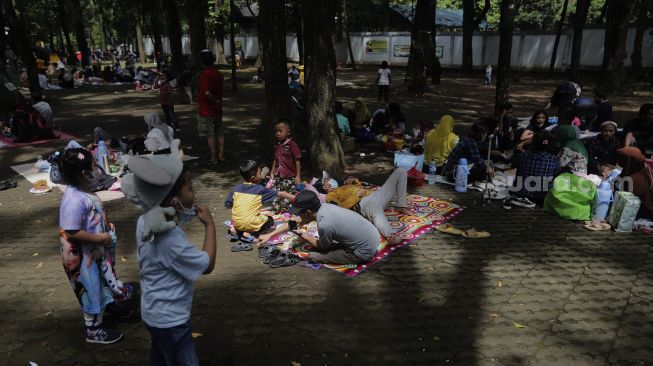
{"points": [[429, 213]]}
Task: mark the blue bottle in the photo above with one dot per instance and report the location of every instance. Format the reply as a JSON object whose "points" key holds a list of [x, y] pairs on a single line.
{"points": [[602, 202], [432, 171], [462, 171], [101, 153]]}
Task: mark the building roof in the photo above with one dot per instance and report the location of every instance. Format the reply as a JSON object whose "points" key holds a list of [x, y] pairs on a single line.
{"points": [[445, 18]]}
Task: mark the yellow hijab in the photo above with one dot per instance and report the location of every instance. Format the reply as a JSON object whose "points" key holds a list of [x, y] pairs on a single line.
{"points": [[440, 141], [363, 114]]}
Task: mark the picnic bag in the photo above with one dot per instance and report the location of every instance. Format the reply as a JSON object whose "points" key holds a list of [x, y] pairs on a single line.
{"points": [[415, 177], [571, 197], [623, 211]]}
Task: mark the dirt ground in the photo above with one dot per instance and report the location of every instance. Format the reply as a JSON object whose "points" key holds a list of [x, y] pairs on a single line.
{"points": [[542, 291]]}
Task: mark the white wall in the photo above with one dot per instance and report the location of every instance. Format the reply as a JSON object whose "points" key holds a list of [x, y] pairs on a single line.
{"points": [[528, 50]]}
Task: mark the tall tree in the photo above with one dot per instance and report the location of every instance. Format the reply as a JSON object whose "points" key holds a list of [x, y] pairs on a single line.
{"points": [[561, 24], [616, 30], [422, 43], [64, 27], [232, 43], [326, 150], [506, 27], [349, 48], [270, 25], [80, 32], [196, 11], [582, 8], [139, 40], [642, 17], [470, 24], [20, 34], [174, 35], [218, 18]]}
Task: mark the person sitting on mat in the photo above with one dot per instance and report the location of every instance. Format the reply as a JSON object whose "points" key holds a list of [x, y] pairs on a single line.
{"points": [[369, 204], [246, 200], [344, 236], [468, 148]]}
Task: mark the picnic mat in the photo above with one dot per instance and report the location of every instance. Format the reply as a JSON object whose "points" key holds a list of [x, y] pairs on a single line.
{"points": [[429, 213], [29, 172], [7, 142]]}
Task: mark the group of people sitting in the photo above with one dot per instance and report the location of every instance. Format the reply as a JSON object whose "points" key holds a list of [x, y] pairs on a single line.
{"points": [[350, 218], [382, 125], [543, 150]]}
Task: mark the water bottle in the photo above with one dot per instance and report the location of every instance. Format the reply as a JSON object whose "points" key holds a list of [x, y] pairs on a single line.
{"points": [[432, 170], [614, 174], [101, 152], [602, 202], [462, 171]]}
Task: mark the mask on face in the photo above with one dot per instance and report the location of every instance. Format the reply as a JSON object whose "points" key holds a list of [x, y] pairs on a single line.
{"points": [[186, 215]]}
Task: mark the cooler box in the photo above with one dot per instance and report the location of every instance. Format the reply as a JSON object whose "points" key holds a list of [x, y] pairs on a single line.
{"points": [[405, 159], [623, 212]]}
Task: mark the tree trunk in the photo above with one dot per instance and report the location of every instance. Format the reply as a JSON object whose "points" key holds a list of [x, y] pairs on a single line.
{"points": [[20, 34], [64, 27], [174, 35], [197, 25], [218, 40], [155, 33], [506, 26], [300, 42], [422, 44], [561, 24], [232, 44], [271, 24], [582, 7], [325, 147], [386, 15], [346, 22], [80, 32], [616, 30], [100, 17], [636, 56], [139, 40], [468, 33]]}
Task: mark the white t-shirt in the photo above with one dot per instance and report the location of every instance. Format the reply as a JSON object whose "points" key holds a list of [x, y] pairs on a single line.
{"points": [[384, 76], [169, 265]]}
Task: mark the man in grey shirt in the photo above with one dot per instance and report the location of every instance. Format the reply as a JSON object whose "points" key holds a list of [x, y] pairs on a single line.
{"points": [[345, 237]]}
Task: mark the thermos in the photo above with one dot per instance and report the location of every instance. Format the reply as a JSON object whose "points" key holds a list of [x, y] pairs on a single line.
{"points": [[462, 171], [602, 202], [101, 153], [432, 171]]}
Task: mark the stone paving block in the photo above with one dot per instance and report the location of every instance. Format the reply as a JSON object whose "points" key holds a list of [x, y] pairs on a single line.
{"points": [[551, 280], [556, 351]]}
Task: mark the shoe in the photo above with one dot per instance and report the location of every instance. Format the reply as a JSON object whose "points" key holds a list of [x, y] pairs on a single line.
{"points": [[523, 202], [102, 335], [507, 203], [122, 310]]}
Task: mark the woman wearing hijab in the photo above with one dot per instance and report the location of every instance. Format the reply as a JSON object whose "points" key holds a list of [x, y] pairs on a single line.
{"points": [[638, 178], [439, 141], [573, 156], [362, 114], [160, 135], [602, 148]]}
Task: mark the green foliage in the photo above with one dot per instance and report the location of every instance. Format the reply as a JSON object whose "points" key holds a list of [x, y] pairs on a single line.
{"points": [[218, 18]]}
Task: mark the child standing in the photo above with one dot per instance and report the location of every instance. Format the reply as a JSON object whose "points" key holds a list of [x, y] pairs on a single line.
{"points": [[383, 81], [245, 201], [88, 247], [165, 92], [488, 75], [169, 263], [286, 167]]}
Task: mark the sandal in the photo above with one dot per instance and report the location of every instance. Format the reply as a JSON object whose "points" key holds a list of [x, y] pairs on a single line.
{"points": [[284, 260], [473, 234], [272, 254], [242, 247], [265, 251], [449, 229], [601, 226], [7, 185]]}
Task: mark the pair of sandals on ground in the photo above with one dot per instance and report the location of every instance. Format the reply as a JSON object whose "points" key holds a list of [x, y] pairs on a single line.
{"points": [[271, 255], [8, 184]]}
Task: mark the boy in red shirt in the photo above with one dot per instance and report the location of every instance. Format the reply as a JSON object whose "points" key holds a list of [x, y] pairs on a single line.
{"points": [[165, 93], [286, 167], [209, 120]]}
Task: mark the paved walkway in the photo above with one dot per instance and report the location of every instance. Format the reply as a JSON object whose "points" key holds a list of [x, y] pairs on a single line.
{"points": [[542, 291]]}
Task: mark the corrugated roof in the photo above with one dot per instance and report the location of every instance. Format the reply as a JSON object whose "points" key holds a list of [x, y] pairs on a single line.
{"points": [[449, 18]]}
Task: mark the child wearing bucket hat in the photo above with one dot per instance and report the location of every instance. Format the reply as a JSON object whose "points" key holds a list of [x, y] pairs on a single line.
{"points": [[169, 263]]}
